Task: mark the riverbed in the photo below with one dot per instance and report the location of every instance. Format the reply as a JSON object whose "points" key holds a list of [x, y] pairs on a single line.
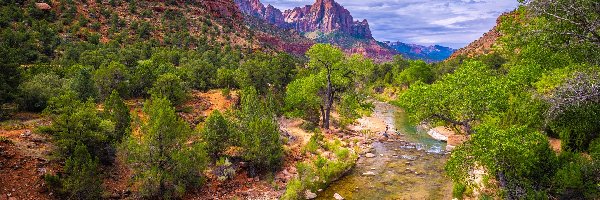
{"points": [[410, 165]]}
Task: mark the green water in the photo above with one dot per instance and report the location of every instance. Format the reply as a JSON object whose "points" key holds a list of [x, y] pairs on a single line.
{"points": [[412, 166]]}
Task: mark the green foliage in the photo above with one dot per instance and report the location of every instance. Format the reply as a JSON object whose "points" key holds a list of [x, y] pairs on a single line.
{"points": [[265, 72], [520, 159], [112, 76], [302, 98], [217, 134], [10, 78], [259, 133], [76, 122], [171, 87], [117, 112], [36, 91], [320, 172], [224, 169], [418, 71], [165, 164], [83, 84], [81, 178], [471, 93]]}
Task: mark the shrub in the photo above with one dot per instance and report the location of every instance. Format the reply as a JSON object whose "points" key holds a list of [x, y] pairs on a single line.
{"points": [[36, 91], [171, 87], [81, 178], [113, 76], [224, 169]]}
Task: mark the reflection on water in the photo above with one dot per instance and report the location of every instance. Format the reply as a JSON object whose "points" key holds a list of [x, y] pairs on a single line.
{"points": [[410, 167]]}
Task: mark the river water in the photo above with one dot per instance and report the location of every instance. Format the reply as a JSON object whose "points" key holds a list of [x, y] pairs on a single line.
{"points": [[410, 166]]}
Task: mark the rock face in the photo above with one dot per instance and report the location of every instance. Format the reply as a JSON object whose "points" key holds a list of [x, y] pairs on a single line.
{"points": [[222, 9], [484, 44], [326, 16]]}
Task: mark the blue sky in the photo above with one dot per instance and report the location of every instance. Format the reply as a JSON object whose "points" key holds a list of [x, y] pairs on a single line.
{"points": [[453, 23]]}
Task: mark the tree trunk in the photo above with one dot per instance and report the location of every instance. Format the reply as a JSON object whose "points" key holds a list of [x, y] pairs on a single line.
{"points": [[322, 116], [329, 100]]}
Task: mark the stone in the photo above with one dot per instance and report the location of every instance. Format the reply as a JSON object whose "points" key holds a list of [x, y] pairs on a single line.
{"points": [[338, 196], [309, 194], [370, 155], [369, 173]]}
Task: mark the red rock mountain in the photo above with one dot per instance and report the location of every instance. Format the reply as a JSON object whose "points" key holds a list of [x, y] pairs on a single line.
{"points": [[325, 21], [326, 16], [483, 45]]}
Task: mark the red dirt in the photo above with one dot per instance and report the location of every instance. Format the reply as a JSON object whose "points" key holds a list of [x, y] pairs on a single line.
{"points": [[23, 162]]}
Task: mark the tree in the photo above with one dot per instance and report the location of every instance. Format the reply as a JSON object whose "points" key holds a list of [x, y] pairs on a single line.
{"points": [[165, 162], [217, 134], [112, 76], [325, 58], [84, 83], [117, 112], [171, 87], [519, 159], [10, 78], [260, 136], [417, 71], [81, 178], [469, 95], [75, 122]]}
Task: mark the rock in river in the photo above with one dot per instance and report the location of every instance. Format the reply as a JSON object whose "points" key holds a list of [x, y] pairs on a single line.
{"points": [[370, 155]]}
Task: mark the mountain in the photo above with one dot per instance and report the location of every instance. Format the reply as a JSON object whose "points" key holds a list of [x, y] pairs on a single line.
{"points": [[434, 53], [325, 21], [483, 45]]}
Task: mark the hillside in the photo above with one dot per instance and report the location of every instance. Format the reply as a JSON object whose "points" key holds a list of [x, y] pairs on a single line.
{"points": [[483, 45]]}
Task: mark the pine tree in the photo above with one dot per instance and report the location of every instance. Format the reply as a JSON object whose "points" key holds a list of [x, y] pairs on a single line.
{"points": [[118, 113], [165, 163]]}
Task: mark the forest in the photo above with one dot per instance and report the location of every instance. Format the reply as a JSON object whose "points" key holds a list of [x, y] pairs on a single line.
{"points": [[541, 81]]}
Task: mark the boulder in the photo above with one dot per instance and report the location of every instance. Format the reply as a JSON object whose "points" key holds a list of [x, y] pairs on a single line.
{"points": [[338, 196]]}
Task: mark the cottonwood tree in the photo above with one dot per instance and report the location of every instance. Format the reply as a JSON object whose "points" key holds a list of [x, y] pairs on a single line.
{"points": [[330, 75], [459, 99]]}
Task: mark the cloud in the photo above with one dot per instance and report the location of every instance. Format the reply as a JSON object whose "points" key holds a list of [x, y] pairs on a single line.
{"points": [[453, 23]]}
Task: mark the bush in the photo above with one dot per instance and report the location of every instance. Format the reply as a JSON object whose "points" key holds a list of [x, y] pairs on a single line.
{"points": [[113, 76], [171, 87], [36, 91]]}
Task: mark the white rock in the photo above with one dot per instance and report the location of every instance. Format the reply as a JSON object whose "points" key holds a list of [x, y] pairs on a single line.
{"points": [[370, 155], [338, 196], [369, 173], [309, 195]]}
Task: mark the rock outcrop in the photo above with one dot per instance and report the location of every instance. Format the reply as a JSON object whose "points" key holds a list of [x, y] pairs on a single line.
{"points": [[325, 16], [484, 44]]}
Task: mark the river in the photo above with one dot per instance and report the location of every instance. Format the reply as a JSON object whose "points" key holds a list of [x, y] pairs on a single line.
{"points": [[411, 166]]}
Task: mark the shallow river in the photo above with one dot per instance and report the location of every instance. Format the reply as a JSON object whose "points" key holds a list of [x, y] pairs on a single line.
{"points": [[409, 167]]}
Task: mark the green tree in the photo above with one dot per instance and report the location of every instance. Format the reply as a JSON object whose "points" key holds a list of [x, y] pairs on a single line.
{"points": [[81, 178], [74, 122], [171, 87], [217, 134], [117, 112], [84, 84], [166, 164], [417, 71], [260, 139], [112, 76], [469, 95]]}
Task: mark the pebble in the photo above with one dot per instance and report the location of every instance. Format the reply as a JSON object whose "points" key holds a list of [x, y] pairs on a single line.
{"points": [[369, 173], [309, 194], [338, 196], [370, 155]]}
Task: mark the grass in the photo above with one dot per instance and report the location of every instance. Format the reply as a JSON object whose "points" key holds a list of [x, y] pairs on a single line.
{"points": [[321, 171]]}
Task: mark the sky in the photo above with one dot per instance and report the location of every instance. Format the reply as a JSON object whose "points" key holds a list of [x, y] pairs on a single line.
{"points": [[451, 23]]}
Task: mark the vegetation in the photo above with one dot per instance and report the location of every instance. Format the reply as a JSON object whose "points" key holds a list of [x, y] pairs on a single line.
{"points": [[165, 163]]}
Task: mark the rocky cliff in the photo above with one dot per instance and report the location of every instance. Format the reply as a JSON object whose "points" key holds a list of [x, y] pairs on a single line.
{"points": [[483, 45], [325, 16], [325, 21]]}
